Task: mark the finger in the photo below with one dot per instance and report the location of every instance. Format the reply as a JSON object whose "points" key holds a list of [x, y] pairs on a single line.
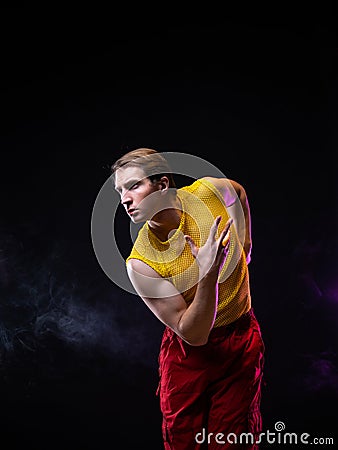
{"points": [[214, 228], [228, 224], [225, 235], [193, 247], [226, 239]]}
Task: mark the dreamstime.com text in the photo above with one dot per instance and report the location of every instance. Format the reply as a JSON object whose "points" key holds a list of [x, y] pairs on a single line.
{"points": [[278, 436]]}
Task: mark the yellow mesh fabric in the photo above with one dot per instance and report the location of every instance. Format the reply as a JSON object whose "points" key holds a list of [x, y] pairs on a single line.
{"points": [[172, 259]]}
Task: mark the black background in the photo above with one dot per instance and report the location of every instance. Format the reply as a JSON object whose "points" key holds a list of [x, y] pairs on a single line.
{"points": [[252, 92]]}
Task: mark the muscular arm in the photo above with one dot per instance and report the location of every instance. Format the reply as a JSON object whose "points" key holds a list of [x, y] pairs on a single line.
{"points": [[194, 322], [236, 201]]}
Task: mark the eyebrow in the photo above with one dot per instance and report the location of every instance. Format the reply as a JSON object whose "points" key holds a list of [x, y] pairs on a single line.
{"points": [[128, 183]]}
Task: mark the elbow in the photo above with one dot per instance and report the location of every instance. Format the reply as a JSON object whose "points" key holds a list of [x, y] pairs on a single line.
{"points": [[196, 342]]}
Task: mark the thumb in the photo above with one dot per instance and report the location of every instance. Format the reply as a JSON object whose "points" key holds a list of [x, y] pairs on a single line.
{"points": [[193, 247]]}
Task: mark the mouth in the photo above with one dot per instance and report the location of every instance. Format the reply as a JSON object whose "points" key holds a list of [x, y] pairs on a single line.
{"points": [[131, 211]]}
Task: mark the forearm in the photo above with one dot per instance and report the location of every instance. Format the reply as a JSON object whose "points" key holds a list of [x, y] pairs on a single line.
{"points": [[198, 319]]}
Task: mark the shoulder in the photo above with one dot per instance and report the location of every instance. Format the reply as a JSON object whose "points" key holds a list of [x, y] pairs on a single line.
{"points": [[222, 183], [141, 267], [230, 190], [147, 282]]}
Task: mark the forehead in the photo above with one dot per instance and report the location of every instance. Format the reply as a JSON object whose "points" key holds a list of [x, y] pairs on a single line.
{"points": [[128, 173]]}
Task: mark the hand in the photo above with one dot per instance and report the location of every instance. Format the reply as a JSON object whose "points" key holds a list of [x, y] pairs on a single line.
{"points": [[211, 256]]}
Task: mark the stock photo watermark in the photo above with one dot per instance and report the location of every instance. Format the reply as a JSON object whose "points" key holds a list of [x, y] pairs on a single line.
{"points": [[277, 436]]}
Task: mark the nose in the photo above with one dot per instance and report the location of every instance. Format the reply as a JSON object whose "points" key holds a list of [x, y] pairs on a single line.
{"points": [[126, 199]]}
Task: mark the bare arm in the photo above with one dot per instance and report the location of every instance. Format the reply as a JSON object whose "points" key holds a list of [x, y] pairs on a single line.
{"points": [[236, 201], [194, 322]]}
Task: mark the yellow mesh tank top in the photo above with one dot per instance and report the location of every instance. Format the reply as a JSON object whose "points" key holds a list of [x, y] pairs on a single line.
{"points": [[172, 259]]}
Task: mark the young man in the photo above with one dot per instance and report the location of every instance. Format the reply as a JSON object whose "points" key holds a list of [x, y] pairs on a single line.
{"points": [[189, 264]]}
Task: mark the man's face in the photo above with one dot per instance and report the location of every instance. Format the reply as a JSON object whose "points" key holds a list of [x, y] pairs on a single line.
{"points": [[139, 196]]}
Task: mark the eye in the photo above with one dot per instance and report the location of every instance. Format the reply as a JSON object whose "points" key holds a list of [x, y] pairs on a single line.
{"points": [[134, 186]]}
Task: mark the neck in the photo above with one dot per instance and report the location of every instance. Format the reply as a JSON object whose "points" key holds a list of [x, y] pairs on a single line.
{"points": [[166, 220]]}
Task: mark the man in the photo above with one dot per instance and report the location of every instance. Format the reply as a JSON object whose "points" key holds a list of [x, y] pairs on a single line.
{"points": [[189, 264]]}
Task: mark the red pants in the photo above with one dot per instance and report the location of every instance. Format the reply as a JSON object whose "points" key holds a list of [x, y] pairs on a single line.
{"points": [[210, 394]]}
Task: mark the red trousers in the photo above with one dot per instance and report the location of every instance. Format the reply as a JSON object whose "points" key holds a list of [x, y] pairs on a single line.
{"points": [[211, 394]]}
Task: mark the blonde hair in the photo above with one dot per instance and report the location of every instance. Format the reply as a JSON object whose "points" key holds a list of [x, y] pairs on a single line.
{"points": [[151, 162]]}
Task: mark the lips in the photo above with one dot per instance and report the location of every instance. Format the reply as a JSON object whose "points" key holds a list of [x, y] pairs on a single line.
{"points": [[131, 211]]}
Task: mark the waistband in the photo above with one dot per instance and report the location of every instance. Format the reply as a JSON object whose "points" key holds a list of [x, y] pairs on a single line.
{"points": [[241, 321]]}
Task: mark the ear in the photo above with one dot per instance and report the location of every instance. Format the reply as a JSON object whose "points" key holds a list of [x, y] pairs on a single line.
{"points": [[164, 184]]}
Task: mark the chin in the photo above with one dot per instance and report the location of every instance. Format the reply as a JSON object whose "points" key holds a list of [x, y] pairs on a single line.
{"points": [[137, 218], [142, 216]]}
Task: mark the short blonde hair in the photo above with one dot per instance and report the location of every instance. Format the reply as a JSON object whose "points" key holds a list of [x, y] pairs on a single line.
{"points": [[151, 161]]}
